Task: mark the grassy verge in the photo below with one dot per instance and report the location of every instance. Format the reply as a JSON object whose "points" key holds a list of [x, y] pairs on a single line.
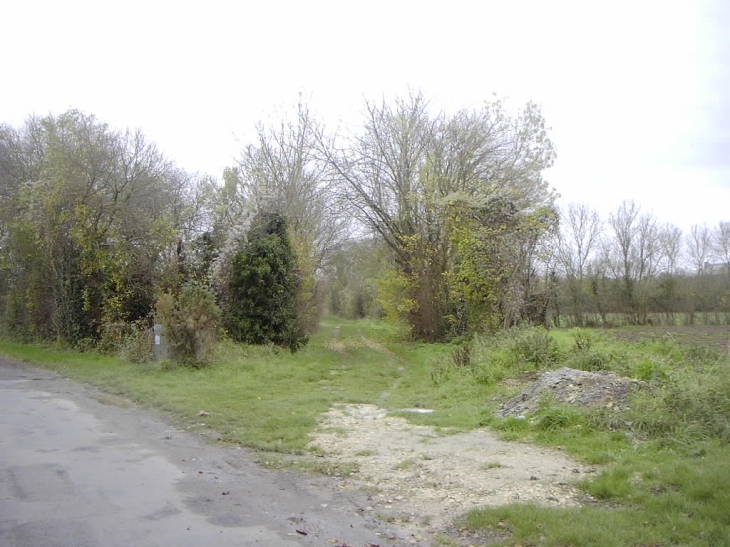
{"points": [[266, 398], [665, 460]]}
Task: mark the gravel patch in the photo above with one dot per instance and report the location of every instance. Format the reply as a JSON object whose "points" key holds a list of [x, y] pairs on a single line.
{"points": [[416, 474]]}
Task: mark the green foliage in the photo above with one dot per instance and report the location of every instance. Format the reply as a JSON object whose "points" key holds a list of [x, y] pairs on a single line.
{"points": [[86, 219], [513, 425], [653, 370], [558, 417], [488, 359], [494, 244], [354, 274], [395, 296], [535, 346], [190, 324], [584, 340], [591, 352], [263, 287], [592, 360]]}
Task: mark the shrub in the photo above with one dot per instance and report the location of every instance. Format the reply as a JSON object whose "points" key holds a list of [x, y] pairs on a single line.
{"points": [[263, 287], [558, 417], [583, 339], [190, 323], [138, 346], [535, 346], [592, 360]]}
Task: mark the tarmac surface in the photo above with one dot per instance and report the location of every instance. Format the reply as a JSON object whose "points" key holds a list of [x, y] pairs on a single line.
{"points": [[81, 468]]}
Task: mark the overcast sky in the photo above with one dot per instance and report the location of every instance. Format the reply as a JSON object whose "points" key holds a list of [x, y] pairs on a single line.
{"points": [[637, 92]]}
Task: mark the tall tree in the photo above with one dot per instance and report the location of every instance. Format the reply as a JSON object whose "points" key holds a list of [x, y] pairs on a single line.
{"points": [[88, 214], [670, 248], [721, 243], [577, 241], [406, 167], [699, 246], [263, 286], [635, 255], [282, 171]]}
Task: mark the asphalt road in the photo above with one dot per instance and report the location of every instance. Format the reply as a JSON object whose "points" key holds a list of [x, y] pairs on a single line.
{"points": [[79, 468]]}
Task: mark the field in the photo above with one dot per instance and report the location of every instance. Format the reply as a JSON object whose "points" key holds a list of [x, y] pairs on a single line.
{"points": [[663, 460], [708, 336]]}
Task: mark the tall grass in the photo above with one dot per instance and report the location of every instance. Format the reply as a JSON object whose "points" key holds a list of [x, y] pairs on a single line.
{"points": [[666, 476]]}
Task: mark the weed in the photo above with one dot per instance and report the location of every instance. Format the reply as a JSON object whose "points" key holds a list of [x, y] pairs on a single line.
{"points": [[497, 357], [512, 425], [558, 417], [461, 357], [137, 345], [536, 347], [653, 370], [591, 360], [583, 339], [405, 464]]}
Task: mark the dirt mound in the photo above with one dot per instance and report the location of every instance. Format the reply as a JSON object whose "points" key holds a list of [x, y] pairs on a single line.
{"points": [[567, 385]]}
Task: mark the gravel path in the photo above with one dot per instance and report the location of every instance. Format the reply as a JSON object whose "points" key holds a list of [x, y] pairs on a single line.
{"points": [[419, 477]]}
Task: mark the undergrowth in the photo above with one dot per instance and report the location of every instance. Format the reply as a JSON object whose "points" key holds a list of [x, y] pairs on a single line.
{"points": [[664, 477]]}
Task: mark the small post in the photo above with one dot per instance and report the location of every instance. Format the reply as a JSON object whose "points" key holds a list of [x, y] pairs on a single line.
{"points": [[160, 347]]}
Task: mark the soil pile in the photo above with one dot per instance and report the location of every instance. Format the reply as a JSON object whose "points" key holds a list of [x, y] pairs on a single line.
{"points": [[578, 387]]}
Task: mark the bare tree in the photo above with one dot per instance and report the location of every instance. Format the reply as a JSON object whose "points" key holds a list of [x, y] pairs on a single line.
{"points": [[670, 247], [699, 246], [635, 251], [408, 167], [721, 243], [578, 239], [283, 172]]}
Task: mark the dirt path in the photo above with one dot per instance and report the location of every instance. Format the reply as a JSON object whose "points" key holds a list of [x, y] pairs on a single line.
{"points": [[418, 477]]}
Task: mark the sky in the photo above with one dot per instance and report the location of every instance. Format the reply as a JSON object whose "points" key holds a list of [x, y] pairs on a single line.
{"points": [[636, 92]]}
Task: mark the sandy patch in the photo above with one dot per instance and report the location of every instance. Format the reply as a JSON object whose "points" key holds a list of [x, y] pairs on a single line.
{"points": [[417, 474]]}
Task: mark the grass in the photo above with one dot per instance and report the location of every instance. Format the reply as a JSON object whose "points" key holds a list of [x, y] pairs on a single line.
{"points": [[256, 396], [665, 460], [647, 499], [405, 464]]}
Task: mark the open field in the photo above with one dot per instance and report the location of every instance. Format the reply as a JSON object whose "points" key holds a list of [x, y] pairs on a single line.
{"points": [[662, 475], [710, 336]]}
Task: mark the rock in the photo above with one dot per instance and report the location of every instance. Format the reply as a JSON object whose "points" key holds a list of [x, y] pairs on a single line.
{"points": [[577, 387]]}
